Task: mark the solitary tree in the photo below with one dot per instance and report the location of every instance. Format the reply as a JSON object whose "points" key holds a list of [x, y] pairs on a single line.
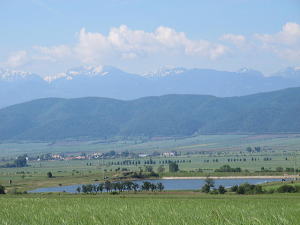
{"points": [[49, 175], [100, 187], [2, 189], [221, 189], [209, 183], [107, 185], [160, 186]]}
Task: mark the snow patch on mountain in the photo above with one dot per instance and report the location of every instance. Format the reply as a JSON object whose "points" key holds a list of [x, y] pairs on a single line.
{"points": [[89, 71], [165, 71], [13, 75]]}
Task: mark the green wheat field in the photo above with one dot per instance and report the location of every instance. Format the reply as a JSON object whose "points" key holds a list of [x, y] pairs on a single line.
{"points": [[167, 208]]}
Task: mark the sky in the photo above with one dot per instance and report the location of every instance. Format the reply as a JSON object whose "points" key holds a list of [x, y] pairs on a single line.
{"points": [[51, 36]]}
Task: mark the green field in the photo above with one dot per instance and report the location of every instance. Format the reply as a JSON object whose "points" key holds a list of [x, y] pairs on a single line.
{"points": [[202, 155], [282, 142], [166, 208]]}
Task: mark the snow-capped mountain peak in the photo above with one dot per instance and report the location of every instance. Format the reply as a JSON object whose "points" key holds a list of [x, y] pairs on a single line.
{"points": [[165, 71], [13, 75], [89, 71]]}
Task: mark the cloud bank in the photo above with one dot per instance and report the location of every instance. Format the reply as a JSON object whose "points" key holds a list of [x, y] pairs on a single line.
{"points": [[127, 45]]}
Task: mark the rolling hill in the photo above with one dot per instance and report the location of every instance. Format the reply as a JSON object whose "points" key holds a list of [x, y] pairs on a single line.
{"points": [[168, 115]]}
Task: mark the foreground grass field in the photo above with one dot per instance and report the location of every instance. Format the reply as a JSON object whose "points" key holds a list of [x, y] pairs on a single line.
{"points": [[166, 208]]}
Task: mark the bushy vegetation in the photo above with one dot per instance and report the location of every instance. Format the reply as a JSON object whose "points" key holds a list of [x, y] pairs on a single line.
{"points": [[258, 189], [247, 189], [227, 168], [288, 188]]}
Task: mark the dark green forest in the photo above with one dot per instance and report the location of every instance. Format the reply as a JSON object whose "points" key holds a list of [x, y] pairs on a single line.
{"points": [[169, 115]]}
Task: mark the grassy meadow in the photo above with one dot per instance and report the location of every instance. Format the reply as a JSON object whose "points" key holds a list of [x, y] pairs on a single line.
{"points": [[165, 208]]}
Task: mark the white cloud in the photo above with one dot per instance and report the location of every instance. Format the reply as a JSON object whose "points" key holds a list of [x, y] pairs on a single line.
{"points": [[17, 59], [164, 45], [285, 43], [130, 44], [233, 38], [54, 52], [289, 35]]}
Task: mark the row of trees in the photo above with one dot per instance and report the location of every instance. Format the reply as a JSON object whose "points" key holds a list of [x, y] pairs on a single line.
{"points": [[227, 168], [147, 162], [20, 161], [120, 187]]}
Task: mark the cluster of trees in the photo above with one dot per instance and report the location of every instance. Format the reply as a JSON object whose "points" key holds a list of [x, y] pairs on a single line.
{"points": [[279, 169], [257, 189], [255, 149], [209, 185], [291, 170], [227, 168], [141, 175], [20, 161], [119, 187], [247, 189]]}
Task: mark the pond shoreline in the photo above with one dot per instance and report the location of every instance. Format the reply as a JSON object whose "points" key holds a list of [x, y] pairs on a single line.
{"points": [[231, 177]]}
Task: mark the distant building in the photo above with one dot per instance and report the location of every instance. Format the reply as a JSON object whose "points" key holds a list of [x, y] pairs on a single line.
{"points": [[169, 154], [57, 156]]}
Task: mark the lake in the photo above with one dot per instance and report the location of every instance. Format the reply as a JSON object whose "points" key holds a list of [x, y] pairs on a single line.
{"points": [[176, 184]]}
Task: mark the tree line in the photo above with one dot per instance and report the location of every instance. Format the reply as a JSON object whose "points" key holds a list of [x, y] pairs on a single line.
{"points": [[118, 187]]}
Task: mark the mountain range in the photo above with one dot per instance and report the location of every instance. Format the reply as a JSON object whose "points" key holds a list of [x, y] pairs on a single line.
{"points": [[169, 115], [17, 87]]}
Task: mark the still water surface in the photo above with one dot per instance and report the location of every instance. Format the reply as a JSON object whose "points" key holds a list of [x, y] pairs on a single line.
{"points": [[176, 184]]}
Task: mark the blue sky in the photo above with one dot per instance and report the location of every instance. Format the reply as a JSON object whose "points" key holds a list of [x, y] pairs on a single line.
{"points": [[49, 36]]}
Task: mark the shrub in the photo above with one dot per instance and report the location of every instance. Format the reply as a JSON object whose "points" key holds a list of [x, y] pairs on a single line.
{"points": [[234, 188], [205, 188], [249, 189], [221, 189], [214, 192], [286, 189]]}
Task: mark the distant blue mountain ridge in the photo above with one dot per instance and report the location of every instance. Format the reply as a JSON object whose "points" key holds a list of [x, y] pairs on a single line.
{"points": [[17, 87]]}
